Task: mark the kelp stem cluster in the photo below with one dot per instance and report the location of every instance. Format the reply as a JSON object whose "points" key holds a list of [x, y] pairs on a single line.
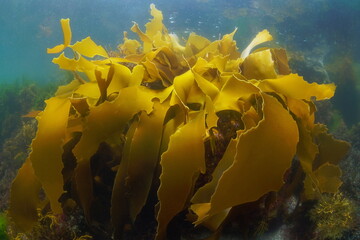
{"points": [[174, 128]]}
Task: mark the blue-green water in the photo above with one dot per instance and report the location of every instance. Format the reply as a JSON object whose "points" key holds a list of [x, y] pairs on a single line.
{"points": [[28, 27]]}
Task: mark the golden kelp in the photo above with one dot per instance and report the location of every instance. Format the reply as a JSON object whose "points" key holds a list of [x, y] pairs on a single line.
{"points": [[133, 129]]}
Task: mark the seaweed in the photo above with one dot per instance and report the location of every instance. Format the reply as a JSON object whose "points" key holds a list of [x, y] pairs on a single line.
{"points": [[176, 132]]}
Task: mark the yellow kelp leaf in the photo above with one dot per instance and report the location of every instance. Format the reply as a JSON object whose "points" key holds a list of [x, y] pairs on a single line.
{"points": [[175, 117], [155, 25], [81, 64], [295, 86], [183, 160], [65, 25], [310, 191], [203, 194], [212, 222], [120, 211], [227, 46], [46, 154], [83, 182], [120, 79], [24, 198], [147, 42], [111, 117], [281, 61], [111, 60], [67, 90], [123, 77], [206, 87], [261, 37], [144, 156], [250, 118], [66, 63], [152, 70], [195, 44], [306, 149], [129, 46], [328, 176], [330, 149], [176, 46], [196, 98], [87, 47], [259, 65], [255, 173], [90, 90], [80, 104], [137, 75], [182, 85], [233, 89], [211, 117], [302, 110]]}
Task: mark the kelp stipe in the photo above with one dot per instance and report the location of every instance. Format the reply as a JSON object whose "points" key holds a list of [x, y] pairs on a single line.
{"points": [[198, 127]]}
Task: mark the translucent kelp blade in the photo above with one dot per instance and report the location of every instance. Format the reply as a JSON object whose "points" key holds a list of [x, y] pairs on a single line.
{"points": [[67, 90], [24, 198], [330, 149], [206, 87], [261, 37], [65, 25], [227, 46], [120, 212], [255, 173], [203, 194], [281, 61], [328, 177], [182, 85], [83, 182], [46, 154], [155, 25], [129, 46], [201, 199], [306, 149], [147, 42], [111, 117], [259, 65], [121, 78], [182, 161], [144, 156], [87, 47], [233, 89], [211, 117], [195, 44], [295, 86], [81, 64]]}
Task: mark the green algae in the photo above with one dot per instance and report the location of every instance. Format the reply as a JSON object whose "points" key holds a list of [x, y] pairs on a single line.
{"points": [[3, 227]]}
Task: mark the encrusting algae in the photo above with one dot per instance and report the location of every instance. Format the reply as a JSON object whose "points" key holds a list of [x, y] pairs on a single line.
{"points": [[196, 127]]}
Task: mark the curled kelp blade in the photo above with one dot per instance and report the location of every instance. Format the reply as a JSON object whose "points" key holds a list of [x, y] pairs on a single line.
{"points": [[182, 161], [252, 174], [46, 154], [24, 198], [65, 25], [261, 37]]}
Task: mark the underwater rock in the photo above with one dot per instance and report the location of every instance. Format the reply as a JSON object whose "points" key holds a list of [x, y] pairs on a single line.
{"points": [[13, 155]]}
